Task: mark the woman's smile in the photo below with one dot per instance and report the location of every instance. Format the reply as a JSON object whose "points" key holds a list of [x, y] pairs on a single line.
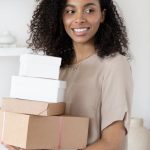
{"points": [[80, 31]]}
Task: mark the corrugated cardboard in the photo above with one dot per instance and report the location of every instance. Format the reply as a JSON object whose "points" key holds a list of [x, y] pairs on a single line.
{"points": [[39, 66], [32, 107], [38, 89], [38, 132]]}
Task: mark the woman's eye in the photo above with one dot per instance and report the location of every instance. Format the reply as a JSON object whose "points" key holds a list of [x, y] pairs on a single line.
{"points": [[70, 11], [88, 11]]}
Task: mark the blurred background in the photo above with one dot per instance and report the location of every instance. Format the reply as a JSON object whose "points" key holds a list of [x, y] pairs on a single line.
{"points": [[15, 16]]}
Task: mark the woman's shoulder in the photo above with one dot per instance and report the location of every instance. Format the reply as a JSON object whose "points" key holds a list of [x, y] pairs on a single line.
{"points": [[116, 62], [116, 57]]}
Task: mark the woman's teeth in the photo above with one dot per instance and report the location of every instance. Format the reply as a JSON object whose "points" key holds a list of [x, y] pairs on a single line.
{"points": [[80, 30]]}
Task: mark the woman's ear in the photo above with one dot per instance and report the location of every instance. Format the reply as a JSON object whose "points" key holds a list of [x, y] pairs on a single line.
{"points": [[103, 15]]}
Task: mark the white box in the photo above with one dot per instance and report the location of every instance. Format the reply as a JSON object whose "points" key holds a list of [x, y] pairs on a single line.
{"points": [[38, 89], [39, 66]]}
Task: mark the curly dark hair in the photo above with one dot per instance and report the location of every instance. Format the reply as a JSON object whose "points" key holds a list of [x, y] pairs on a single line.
{"points": [[47, 31]]}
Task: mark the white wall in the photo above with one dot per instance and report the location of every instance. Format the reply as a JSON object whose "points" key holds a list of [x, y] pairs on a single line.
{"points": [[137, 17], [9, 66], [15, 15]]}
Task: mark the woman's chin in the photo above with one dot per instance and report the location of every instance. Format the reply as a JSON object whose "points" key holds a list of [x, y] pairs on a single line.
{"points": [[80, 40]]}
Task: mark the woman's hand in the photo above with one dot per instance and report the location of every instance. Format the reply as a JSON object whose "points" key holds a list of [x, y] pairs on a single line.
{"points": [[10, 147]]}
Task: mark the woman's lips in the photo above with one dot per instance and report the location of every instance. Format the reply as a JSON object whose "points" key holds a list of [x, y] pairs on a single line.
{"points": [[80, 31]]}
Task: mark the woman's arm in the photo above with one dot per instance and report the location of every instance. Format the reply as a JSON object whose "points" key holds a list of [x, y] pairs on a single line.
{"points": [[112, 138]]}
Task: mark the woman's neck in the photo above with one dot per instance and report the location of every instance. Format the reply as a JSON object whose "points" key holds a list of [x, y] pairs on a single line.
{"points": [[83, 51]]}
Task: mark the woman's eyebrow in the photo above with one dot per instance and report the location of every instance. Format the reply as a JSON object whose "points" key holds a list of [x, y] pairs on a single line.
{"points": [[70, 5], [89, 4], [86, 5]]}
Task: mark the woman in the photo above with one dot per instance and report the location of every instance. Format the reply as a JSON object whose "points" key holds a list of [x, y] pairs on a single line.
{"points": [[91, 39]]}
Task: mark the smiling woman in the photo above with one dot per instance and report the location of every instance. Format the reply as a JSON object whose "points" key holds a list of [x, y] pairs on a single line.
{"points": [[82, 20], [90, 37]]}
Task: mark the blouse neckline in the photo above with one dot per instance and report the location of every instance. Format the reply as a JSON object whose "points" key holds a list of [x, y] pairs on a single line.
{"points": [[87, 59]]}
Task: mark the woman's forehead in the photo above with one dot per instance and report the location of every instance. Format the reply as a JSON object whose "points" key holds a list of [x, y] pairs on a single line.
{"points": [[82, 1]]}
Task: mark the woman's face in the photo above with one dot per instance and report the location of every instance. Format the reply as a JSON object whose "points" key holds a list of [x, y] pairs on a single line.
{"points": [[81, 19]]}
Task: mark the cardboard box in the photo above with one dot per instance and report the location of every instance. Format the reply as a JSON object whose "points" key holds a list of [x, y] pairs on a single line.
{"points": [[39, 66], [38, 89], [38, 132], [32, 107]]}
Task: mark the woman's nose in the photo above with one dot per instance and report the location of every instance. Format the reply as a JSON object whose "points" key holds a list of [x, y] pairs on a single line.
{"points": [[80, 18]]}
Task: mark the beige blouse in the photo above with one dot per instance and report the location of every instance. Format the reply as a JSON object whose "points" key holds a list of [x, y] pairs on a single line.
{"points": [[101, 89]]}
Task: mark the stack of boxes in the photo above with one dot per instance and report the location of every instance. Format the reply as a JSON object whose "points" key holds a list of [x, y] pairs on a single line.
{"points": [[33, 116], [38, 79]]}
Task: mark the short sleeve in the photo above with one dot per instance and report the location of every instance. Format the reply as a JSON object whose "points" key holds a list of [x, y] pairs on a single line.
{"points": [[117, 89]]}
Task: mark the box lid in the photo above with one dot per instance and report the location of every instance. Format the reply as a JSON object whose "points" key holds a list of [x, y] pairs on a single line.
{"points": [[32, 107], [40, 59]]}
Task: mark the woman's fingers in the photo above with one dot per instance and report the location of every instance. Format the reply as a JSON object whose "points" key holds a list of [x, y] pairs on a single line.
{"points": [[9, 147]]}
